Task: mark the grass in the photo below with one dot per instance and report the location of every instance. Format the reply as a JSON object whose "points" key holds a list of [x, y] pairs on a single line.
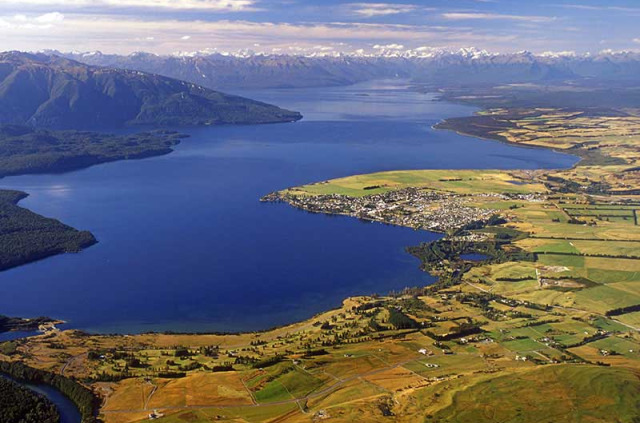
{"points": [[523, 345], [272, 392], [557, 247], [632, 319], [458, 181], [570, 394], [513, 271], [610, 276], [245, 414], [562, 260], [293, 383], [212, 388], [447, 364]]}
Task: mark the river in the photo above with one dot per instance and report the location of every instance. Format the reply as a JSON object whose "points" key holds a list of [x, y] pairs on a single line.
{"points": [[67, 410]]}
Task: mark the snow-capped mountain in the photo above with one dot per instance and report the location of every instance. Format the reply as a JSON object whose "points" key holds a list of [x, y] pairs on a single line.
{"points": [[247, 69]]}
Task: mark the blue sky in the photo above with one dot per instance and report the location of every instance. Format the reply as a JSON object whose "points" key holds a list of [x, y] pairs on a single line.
{"points": [[327, 26]]}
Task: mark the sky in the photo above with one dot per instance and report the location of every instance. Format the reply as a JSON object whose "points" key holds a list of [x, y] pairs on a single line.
{"points": [[319, 26]]}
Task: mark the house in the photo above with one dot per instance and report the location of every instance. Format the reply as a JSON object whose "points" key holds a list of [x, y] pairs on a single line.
{"points": [[155, 414]]}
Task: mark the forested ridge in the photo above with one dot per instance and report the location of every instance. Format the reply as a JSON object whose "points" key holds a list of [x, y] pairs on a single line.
{"points": [[26, 150], [26, 236]]}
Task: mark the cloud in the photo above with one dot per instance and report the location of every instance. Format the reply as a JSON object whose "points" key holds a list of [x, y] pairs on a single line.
{"points": [[323, 48], [564, 53], [24, 22], [50, 18], [636, 40], [459, 16], [370, 10], [389, 47], [120, 34], [598, 8], [208, 5]]}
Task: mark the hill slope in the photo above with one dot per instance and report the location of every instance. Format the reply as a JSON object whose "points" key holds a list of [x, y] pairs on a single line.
{"points": [[54, 92]]}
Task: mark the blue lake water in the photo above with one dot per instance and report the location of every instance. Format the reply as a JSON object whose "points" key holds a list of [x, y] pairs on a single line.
{"points": [[18, 334], [185, 244]]}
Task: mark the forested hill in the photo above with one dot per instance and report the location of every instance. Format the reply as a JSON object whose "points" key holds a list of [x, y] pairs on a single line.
{"points": [[53, 92], [26, 150], [26, 236]]}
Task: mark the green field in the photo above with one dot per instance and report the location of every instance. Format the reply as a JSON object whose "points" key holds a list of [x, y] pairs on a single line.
{"points": [[549, 394], [460, 181]]}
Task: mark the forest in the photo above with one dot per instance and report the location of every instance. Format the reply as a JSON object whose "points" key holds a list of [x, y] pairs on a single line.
{"points": [[26, 236], [21, 405], [26, 150]]}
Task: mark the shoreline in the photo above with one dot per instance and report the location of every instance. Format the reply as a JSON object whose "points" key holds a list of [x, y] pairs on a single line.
{"points": [[440, 126]]}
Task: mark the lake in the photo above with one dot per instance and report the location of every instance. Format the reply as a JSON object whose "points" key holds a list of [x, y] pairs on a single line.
{"points": [[18, 334], [185, 244]]}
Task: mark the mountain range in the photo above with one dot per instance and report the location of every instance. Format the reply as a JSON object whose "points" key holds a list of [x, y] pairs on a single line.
{"points": [[50, 91], [433, 66]]}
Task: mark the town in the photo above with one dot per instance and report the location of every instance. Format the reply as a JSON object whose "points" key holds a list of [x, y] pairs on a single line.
{"points": [[417, 208]]}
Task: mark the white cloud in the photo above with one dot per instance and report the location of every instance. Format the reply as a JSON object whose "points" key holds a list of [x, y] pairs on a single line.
{"points": [[388, 47], [323, 48], [50, 18], [369, 10], [24, 22], [185, 37], [564, 53], [459, 16], [597, 8], [209, 5], [636, 40], [119, 34]]}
